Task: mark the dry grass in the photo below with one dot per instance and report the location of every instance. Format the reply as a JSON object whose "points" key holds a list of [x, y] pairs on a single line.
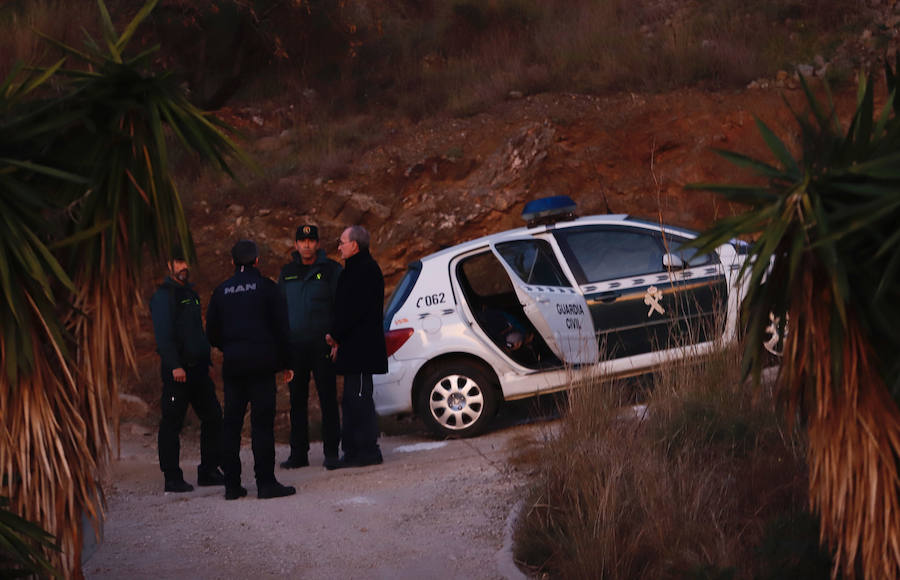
{"points": [[304, 156], [422, 58], [697, 489], [477, 53]]}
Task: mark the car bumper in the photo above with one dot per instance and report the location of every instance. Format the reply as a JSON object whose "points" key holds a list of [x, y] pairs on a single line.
{"points": [[393, 391]]}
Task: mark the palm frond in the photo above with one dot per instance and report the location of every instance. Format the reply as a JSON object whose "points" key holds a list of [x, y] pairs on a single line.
{"points": [[825, 258], [791, 168], [124, 38], [22, 543], [85, 191]]}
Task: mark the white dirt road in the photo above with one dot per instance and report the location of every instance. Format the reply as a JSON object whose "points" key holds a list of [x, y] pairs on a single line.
{"points": [[434, 509]]}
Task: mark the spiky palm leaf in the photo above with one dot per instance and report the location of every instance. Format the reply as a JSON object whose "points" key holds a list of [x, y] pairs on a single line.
{"points": [[20, 543], [823, 259], [33, 345], [85, 190]]}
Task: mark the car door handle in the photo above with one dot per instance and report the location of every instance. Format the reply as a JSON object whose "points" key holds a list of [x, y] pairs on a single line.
{"points": [[608, 297], [543, 301]]}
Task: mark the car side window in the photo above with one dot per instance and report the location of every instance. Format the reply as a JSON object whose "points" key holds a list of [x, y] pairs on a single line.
{"points": [[484, 276], [607, 253], [689, 256], [533, 261]]}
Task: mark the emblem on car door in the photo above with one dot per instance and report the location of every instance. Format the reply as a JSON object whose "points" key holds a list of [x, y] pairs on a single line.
{"points": [[651, 299]]}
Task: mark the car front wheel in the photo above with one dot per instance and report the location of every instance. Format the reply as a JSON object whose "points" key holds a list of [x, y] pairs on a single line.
{"points": [[457, 400]]}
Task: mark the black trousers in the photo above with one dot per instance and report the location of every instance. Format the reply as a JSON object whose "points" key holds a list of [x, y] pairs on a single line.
{"points": [[360, 431], [259, 392], [314, 359], [199, 392]]}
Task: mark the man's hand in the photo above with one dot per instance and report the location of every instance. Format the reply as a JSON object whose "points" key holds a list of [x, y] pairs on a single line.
{"points": [[514, 340], [179, 375], [334, 346]]}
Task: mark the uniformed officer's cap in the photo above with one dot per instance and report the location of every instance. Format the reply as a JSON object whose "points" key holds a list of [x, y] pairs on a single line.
{"points": [[307, 232], [244, 253]]}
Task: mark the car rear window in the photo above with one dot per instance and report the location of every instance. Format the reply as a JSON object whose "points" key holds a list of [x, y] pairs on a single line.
{"points": [[401, 292]]}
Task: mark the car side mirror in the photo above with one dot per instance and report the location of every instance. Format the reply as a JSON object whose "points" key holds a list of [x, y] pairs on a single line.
{"points": [[672, 261]]}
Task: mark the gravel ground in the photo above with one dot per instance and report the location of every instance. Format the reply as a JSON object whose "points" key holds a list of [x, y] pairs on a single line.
{"points": [[434, 509]]}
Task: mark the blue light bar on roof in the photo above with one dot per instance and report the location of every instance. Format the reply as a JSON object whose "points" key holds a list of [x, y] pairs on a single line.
{"points": [[547, 210]]}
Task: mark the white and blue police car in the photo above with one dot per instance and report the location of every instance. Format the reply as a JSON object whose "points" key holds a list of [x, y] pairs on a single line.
{"points": [[517, 313]]}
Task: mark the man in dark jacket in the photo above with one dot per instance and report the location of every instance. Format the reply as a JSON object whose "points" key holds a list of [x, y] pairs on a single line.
{"points": [[308, 283], [247, 321], [184, 364], [358, 347]]}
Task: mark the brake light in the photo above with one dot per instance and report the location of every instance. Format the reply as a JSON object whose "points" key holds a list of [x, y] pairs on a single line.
{"points": [[396, 338]]}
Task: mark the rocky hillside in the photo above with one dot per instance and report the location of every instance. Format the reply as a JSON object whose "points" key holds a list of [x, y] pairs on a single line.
{"points": [[442, 181]]}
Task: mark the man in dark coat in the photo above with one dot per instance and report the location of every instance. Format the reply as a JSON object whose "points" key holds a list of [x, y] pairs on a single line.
{"points": [[308, 282], [247, 321], [184, 365], [358, 346]]}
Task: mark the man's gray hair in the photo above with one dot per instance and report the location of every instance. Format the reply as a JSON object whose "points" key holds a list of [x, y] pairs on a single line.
{"points": [[359, 235]]}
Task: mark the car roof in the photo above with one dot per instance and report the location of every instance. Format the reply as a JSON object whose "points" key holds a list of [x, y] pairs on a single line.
{"points": [[602, 219], [523, 231]]}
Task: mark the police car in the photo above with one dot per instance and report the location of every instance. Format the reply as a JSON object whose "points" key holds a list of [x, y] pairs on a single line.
{"points": [[519, 313]]}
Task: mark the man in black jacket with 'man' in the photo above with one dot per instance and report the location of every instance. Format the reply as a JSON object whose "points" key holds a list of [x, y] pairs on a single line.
{"points": [[358, 346], [247, 321]]}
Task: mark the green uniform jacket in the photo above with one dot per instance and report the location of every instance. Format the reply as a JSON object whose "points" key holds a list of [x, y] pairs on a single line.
{"points": [[309, 291]]}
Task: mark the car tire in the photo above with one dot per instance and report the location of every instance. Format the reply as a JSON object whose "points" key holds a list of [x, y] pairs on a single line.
{"points": [[457, 399]]}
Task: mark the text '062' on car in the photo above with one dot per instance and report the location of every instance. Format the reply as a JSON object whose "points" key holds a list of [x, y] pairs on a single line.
{"points": [[518, 313]]}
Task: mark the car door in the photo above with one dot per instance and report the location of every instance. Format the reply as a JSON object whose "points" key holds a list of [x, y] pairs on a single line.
{"points": [[556, 309], [639, 301]]}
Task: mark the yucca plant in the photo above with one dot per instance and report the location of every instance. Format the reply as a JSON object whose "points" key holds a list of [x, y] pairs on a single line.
{"points": [[85, 191], [823, 264], [21, 546]]}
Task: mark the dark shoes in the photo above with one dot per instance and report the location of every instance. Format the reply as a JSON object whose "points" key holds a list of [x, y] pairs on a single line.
{"points": [[235, 492], [273, 490], [264, 491], [295, 462], [365, 460], [355, 461], [332, 462], [207, 478], [178, 486]]}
